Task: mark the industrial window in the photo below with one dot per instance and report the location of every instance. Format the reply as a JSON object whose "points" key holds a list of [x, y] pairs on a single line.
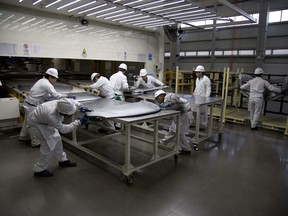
{"points": [[203, 53], [230, 52], [284, 16], [182, 53], [274, 16], [268, 52], [246, 52], [167, 54], [280, 52], [194, 53], [218, 53]]}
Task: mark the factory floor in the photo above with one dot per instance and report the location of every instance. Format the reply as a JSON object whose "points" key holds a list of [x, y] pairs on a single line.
{"points": [[246, 173]]}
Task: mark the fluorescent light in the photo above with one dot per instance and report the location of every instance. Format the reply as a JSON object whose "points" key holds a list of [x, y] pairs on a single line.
{"points": [[146, 21], [60, 27], [134, 2], [118, 11], [163, 5], [55, 2], [14, 27], [7, 18], [86, 29], [18, 19], [170, 8], [6, 25], [66, 5], [119, 15], [36, 2], [188, 12], [54, 25], [159, 24], [28, 21], [107, 9], [84, 11], [135, 15], [84, 5], [47, 24], [150, 3], [142, 17], [37, 23], [23, 28], [176, 11]]}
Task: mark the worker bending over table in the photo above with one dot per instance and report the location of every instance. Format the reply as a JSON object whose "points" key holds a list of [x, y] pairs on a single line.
{"points": [[172, 101], [147, 81]]}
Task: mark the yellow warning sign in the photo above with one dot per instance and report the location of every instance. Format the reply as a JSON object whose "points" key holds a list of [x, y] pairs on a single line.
{"points": [[84, 53]]}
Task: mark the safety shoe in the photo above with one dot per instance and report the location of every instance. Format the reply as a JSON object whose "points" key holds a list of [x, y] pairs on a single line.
{"points": [[67, 163], [44, 173]]}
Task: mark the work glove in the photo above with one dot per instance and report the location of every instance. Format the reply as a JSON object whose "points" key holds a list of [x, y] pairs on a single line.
{"points": [[83, 119], [71, 97], [85, 109], [165, 105]]}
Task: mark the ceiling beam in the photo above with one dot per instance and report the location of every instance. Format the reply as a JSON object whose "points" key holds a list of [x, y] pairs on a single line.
{"points": [[238, 10]]}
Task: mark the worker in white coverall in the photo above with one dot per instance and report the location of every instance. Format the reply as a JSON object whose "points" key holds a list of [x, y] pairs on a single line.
{"points": [[47, 120], [202, 89], [41, 91], [106, 90], [147, 81], [119, 82], [172, 101], [257, 86]]}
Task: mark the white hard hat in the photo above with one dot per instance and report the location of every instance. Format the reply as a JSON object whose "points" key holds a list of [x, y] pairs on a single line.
{"points": [[93, 76], [66, 106], [52, 72], [199, 68], [143, 72], [159, 92], [123, 66], [258, 71]]}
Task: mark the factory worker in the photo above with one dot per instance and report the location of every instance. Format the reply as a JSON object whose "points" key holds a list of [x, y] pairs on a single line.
{"points": [[147, 81], [119, 82], [42, 90], [172, 101], [47, 120], [202, 89], [257, 86], [106, 90]]}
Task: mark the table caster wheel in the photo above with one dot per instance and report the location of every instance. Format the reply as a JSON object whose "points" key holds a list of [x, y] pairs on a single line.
{"points": [[129, 179]]}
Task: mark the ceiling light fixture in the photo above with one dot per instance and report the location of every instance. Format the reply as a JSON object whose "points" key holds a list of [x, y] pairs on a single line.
{"points": [[84, 5], [18, 19], [97, 12], [55, 2], [130, 3], [28, 21], [54, 25], [107, 14], [119, 15], [176, 11], [188, 12], [37, 23], [47, 24], [14, 27], [99, 6], [68, 4], [36, 2], [143, 17], [157, 25], [170, 8], [163, 5], [150, 3], [121, 18]]}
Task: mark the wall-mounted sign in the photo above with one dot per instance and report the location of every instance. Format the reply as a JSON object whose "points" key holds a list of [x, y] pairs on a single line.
{"points": [[149, 56]]}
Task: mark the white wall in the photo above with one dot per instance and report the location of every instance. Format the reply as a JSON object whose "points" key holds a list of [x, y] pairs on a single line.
{"points": [[101, 42]]}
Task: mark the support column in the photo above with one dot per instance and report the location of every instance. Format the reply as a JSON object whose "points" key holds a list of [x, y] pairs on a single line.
{"points": [[262, 33]]}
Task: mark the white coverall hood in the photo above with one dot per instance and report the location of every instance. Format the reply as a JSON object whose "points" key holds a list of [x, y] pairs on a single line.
{"points": [[66, 106]]}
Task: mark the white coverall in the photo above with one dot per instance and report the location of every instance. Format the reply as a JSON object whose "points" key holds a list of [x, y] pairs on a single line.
{"points": [[202, 89], [120, 84], [174, 102], [106, 90], [47, 122], [257, 87], [40, 91], [151, 82]]}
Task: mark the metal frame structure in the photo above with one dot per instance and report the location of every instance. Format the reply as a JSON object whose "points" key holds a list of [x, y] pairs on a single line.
{"points": [[127, 124]]}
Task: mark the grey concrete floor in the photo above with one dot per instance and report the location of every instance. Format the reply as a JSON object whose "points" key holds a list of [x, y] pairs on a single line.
{"points": [[245, 174]]}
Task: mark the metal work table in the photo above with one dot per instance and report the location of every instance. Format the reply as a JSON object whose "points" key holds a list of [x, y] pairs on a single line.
{"points": [[197, 102], [131, 141]]}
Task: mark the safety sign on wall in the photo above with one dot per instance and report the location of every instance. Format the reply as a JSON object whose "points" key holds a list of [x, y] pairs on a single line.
{"points": [[149, 56], [25, 49], [84, 53]]}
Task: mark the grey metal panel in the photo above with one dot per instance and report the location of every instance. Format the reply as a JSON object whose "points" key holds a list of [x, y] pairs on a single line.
{"points": [[108, 108]]}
